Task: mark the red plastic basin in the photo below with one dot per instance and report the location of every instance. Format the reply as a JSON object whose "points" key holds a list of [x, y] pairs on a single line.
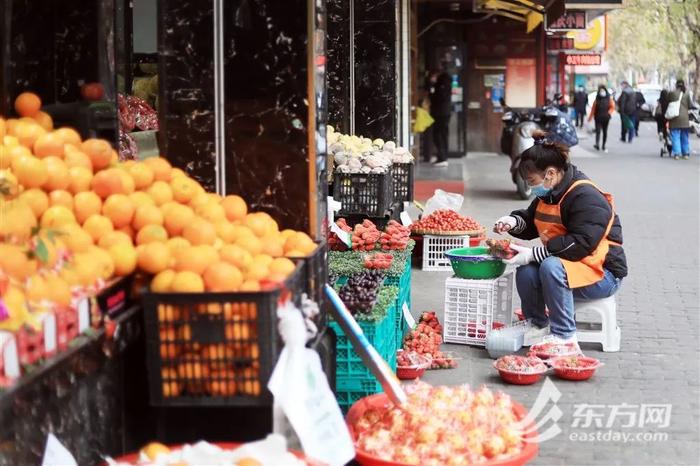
{"points": [[382, 400], [519, 378], [585, 370]]}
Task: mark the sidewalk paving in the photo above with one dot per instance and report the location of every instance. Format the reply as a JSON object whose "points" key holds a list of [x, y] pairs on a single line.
{"points": [[658, 305]]}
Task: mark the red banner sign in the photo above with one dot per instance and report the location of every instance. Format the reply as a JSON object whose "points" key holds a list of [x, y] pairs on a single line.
{"points": [[560, 43], [570, 20], [584, 59]]}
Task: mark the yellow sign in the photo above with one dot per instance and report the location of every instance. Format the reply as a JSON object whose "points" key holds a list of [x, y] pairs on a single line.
{"points": [[593, 38]]}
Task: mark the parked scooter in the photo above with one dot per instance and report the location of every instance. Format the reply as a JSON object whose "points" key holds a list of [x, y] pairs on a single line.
{"points": [[510, 120]]}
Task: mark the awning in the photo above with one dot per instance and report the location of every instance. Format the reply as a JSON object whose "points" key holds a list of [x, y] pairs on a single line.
{"points": [[530, 12]]}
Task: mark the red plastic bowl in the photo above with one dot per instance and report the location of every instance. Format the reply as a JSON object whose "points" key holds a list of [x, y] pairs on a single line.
{"points": [[585, 371], [519, 378], [410, 372], [535, 350], [475, 241], [381, 400], [133, 458]]}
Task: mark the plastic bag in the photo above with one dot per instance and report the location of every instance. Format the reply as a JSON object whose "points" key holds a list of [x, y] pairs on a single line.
{"points": [[423, 120], [443, 200]]}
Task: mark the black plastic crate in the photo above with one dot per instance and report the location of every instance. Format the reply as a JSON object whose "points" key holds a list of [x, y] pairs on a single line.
{"points": [[315, 273], [393, 213], [213, 349], [403, 181], [370, 194]]}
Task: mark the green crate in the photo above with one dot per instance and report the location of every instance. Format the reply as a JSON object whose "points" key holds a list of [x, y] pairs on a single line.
{"points": [[403, 282], [350, 389]]}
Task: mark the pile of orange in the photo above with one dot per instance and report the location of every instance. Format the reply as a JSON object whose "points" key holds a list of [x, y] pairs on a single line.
{"points": [[73, 215]]}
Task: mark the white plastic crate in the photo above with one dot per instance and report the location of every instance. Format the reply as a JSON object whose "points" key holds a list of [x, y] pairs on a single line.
{"points": [[434, 248], [472, 307]]}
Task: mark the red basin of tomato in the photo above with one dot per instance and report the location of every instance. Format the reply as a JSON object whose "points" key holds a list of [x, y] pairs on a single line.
{"points": [[357, 410]]}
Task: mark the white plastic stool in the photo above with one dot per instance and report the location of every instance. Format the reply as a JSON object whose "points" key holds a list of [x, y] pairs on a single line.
{"points": [[609, 334]]}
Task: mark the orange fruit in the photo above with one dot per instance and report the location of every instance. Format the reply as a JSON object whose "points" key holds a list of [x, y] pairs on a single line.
{"points": [[59, 178], [226, 231], [162, 281], [97, 226], [256, 222], [236, 255], [28, 133], [76, 239], [69, 136], [282, 266], [187, 282], [140, 198], [235, 207], [150, 234], [31, 172], [61, 197], [99, 151], [273, 245], [36, 289], [49, 144], [79, 179], [59, 291], [113, 237], [85, 204], [128, 230], [124, 257], [14, 262], [128, 185], [107, 182], [161, 192], [119, 209], [263, 259], [177, 243], [146, 215], [222, 276], [36, 199], [44, 120], [250, 285], [176, 218], [199, 231], [142, 174], [57, 216], [211, 212], [176, 172], [27, 104], [299, 242], [77, 159], [199, 200], [103, 262], [257, 271], [193, 258], [15, 153], [161, 168], [250, 243], [154, 258], [184, 189]]}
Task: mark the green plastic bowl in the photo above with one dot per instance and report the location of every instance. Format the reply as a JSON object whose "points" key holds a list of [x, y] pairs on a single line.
{"points": [[475, 263]]}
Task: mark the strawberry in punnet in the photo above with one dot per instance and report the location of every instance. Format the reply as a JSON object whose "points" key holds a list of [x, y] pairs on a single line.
{"points": [[446, 220], [378, 261], [365, 236], [395, 236], [426, 338]]}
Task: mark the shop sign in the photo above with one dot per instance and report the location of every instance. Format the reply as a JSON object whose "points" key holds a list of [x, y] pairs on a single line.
{"points": [[580, 59], [592, 39], [570, 20], [560, 43], [521, 82]]}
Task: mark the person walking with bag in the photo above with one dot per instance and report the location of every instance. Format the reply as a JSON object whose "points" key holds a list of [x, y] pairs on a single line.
{"points": [[627, 106], [679, 122], [603, 107], [659, 115], [580, 104]]}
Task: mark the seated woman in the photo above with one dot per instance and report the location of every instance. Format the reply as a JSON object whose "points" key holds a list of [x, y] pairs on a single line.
{"points": [[582, 257]]}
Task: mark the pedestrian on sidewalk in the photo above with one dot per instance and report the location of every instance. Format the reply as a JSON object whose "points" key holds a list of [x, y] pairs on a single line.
{"points": [[580, 104], [680, 125], [441, 110], [627, 107], [582, 257], [601, 111], [639, 100], [660, 115]]}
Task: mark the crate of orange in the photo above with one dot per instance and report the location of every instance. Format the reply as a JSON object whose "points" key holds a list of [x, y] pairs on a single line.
{"points": [[215, 348]]}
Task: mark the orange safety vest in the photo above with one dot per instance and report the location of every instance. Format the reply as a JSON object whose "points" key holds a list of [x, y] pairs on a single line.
{"points": [[588, 270]]}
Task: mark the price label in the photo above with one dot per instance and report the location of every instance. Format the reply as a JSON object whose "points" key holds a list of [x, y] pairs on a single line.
{"points": [[344, 236], [408, 316], [406, 219], [56, 454], [83, 314], [8, 352], [49, 333]]}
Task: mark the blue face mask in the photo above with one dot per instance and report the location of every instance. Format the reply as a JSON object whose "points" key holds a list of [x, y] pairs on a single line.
{"points": [[540, 191]]}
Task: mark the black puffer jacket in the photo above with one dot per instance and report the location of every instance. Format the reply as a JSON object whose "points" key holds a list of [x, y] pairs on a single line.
{"points": [[585, 213]]}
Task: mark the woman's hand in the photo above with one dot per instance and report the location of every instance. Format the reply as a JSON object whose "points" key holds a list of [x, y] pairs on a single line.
{"points": [[504, 224], [523, 257]]}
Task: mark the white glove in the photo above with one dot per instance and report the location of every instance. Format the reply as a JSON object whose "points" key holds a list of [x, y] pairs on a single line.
{"points": [[504, 224], [523, 257]]}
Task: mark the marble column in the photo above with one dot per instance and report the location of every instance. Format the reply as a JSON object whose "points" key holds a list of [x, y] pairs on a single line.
{"points": [[339, 68], [186, 86]]}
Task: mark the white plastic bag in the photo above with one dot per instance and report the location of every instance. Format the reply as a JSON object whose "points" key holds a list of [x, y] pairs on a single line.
{"points": [[443, 200], [301, 390]]}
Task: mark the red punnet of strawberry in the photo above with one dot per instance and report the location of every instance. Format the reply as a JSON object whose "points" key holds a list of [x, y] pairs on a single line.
{"points": [[500, 248]]}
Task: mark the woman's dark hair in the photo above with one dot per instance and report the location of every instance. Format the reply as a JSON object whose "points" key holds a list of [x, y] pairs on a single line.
{"points": [[542, 155], [663, 100], [604, 88], [680, 85]]}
